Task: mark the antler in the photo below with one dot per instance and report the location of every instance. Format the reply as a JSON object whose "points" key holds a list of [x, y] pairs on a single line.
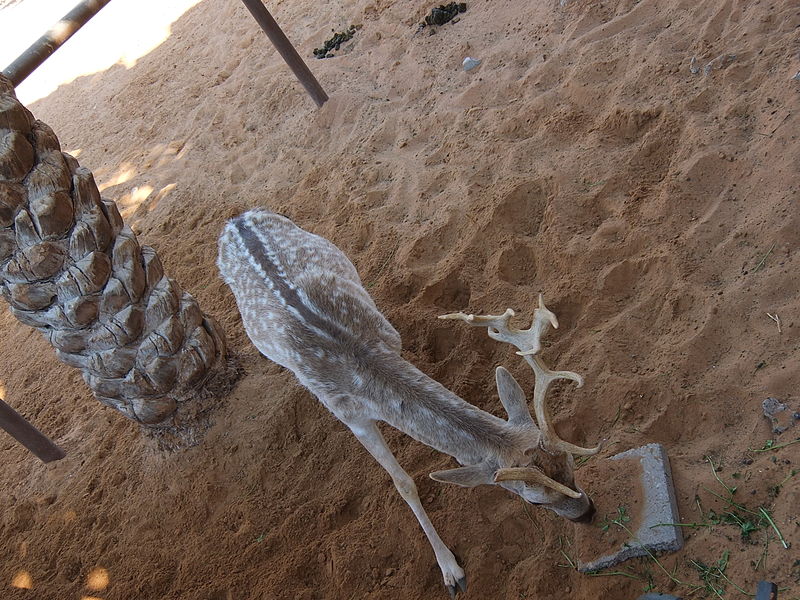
{"points": [[532, 475], [528, 342]]}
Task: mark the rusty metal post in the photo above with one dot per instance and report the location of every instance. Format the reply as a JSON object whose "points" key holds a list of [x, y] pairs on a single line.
{"points": [[27, 435], [51, 41], [286, 50]]}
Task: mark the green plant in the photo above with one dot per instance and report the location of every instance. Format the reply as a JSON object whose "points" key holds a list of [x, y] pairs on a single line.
{"points": [[713, 575], [747, 525], [763, 260], [571, 563], [621, 518], [770, 445], [714, 468], [646, 577]]}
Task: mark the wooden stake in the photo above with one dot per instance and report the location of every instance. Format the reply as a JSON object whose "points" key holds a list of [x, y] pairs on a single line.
{"points": [[286, 50], [51, 41], [59, 33], [27, 435]]}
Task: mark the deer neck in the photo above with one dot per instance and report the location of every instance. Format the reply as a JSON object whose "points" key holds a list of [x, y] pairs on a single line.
{"points": [[412, 402]]}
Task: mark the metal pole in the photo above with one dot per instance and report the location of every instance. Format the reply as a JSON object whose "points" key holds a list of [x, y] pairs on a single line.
{"points": [[51, 41], [27, 435], [286, 50]]}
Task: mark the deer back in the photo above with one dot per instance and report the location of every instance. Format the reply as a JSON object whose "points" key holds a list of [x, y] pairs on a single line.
{"points": [[301, 299]]}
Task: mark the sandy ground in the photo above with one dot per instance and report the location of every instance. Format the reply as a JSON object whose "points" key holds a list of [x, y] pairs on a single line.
{"points": [[654, 206]]}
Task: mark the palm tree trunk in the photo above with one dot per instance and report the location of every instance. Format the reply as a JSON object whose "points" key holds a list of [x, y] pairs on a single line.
{"points": [[71, 268]]}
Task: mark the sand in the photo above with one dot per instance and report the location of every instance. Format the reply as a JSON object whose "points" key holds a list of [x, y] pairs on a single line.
{"points": [[655, 207], [617, 496]]}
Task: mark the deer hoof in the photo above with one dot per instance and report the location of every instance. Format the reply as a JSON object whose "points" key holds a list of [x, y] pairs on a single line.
{"points": [[459, 586]]}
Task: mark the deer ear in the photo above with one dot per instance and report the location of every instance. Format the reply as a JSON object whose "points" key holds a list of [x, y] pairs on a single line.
{"points": [[513, 398], [465, 476]]}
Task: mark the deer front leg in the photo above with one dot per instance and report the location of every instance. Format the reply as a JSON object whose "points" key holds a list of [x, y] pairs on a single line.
{"points": [[372, 439]]}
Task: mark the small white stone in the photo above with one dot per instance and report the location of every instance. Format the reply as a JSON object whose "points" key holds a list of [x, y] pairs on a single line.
{"points": [[470, 63]]}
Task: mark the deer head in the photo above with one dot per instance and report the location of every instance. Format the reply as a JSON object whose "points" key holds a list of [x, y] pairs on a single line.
{"points": [[541, 468]]}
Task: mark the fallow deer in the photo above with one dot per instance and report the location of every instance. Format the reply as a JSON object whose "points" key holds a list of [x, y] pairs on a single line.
{"points": [[304, 307]]}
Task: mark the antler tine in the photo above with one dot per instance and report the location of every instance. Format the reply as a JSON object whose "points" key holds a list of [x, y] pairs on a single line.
{"points": [[533, 475], [544, 377], [528, 342]]}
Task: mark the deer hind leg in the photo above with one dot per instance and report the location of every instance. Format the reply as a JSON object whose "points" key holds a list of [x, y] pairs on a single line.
{"points": [[372, 439]]}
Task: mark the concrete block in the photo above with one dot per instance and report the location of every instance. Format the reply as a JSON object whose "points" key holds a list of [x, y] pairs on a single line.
{"points": [[659, 506]]}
